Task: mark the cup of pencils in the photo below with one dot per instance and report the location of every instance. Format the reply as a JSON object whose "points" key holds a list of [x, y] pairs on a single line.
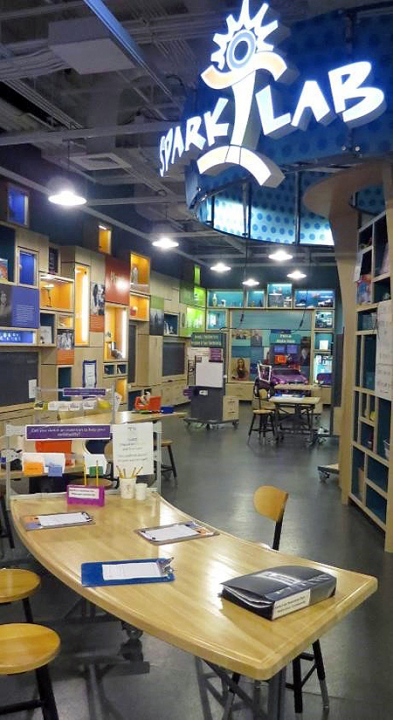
{"points": [[127, 484]]}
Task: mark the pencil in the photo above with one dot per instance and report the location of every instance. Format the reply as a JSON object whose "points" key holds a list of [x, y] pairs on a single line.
{"points": [[96, 473], [84, 474]]}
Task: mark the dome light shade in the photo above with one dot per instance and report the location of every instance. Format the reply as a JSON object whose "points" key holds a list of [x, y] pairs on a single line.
{"points": [[296, 275], [280, 256], [220, 267], [165, 243], [67, 197], [250, 282]]}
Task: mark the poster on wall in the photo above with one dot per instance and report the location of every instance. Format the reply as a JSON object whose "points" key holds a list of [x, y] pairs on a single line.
{"points": [[240, 368], [65, 347], [156, 321], [19, 307], [97, 307], [117, 281]]}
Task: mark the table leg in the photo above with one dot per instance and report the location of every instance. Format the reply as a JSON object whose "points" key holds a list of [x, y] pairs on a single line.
{"points": [[276, 697]]}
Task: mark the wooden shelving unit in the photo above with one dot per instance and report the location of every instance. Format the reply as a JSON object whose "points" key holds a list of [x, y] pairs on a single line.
{"points": [[371, 482]]}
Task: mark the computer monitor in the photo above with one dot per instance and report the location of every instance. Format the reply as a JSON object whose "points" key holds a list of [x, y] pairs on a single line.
{"points": [[279, 349], [292, 349]]}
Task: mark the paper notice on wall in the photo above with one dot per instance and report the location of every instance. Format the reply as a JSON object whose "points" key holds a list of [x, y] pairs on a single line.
{"points": [[384, 350], [32, 389], [133, 448]]}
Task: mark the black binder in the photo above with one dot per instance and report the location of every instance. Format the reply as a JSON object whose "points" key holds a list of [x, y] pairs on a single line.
{"points": [[279, 591]]}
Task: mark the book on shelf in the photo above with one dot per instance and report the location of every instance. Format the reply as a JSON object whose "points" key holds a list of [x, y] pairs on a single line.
{"points": [[385, 267], [3, 269], [363, 293]]}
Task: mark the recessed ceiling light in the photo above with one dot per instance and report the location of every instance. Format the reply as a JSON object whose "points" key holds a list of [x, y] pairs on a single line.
{"points": [[280, 256], [67, 197], [250, 282], [165, 243], [220, 267], [296, 275]]}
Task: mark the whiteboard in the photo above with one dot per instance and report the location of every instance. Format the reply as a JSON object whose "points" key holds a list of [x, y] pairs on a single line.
{"points": [[209, 374]]}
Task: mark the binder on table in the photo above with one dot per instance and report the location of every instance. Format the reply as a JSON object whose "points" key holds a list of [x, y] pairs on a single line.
{"points": [[127, 572], [279, 591]]}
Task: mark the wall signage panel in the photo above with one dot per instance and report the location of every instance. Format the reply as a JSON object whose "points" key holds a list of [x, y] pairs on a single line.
{"points": [[117, 281], [19, 307]]}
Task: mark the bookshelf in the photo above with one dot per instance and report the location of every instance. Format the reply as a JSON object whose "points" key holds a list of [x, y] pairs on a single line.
{"points": [[371, 482]]}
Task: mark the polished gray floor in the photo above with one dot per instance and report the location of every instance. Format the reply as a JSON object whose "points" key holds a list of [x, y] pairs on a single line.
{"points": [[218, 474]]}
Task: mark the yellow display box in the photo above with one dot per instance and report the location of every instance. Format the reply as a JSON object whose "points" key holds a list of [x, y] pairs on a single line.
{"points": [[116, 327], [139, 308], [140, 273], [82, 303], [56, 293]]}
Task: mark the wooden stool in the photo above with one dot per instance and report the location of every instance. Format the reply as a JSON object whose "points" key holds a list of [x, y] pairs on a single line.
{"points": [[18, 585], [25, 647], [4, 518], [172, 467], [265, 417]]}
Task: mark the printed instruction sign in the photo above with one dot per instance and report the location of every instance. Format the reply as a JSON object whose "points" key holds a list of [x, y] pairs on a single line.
{"points": [[133, 448], [384, 359]]}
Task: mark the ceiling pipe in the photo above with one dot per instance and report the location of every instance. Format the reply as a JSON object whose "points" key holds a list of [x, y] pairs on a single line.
{"points": [[64, 135], [127, 43]]}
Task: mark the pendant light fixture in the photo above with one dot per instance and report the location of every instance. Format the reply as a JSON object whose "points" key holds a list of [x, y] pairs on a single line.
{"points": [[280, 256], [65, 194], [220, 267], [247, 280], [296, 275], [250, 282], [165, 243]]}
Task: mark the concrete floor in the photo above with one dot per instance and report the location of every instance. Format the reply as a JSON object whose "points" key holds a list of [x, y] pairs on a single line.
{"points": [[218, 474]]}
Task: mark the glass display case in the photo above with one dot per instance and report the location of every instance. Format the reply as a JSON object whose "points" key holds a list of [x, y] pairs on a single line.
{"points": [[279, 295], [225, 298], [323, 365], [314, 298], [256, 298], [139, 308], [216, 319]]}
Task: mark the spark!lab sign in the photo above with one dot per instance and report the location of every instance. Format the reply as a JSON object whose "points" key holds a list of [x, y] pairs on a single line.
{"points": [[247, 48]]}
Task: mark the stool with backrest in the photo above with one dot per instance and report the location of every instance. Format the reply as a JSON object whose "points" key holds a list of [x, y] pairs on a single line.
{"points": [[266, 414], [271, 502], [25, 647], [16, 585]]}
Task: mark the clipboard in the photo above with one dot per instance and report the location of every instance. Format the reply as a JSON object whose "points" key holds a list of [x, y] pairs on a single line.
{"points": [[93, 574], [33, 522], [200, 531]]}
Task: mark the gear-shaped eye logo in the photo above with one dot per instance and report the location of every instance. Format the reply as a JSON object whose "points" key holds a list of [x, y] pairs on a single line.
{"points": [[243, 50]]}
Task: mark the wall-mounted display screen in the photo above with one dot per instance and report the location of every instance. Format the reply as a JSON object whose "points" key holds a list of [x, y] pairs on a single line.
{"points": [[314, 298]]}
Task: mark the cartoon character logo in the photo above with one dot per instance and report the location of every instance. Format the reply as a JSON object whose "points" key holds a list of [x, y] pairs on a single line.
{"points": [[243, 50]]}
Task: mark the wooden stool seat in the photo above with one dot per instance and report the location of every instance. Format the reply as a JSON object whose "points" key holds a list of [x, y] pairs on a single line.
{"points": [[166, 443], [17, 585], [263, 411], [25, 647]]}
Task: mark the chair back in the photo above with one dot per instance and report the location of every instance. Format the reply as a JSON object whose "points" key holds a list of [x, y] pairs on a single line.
{"points": [[271, 502], [264, 403]]}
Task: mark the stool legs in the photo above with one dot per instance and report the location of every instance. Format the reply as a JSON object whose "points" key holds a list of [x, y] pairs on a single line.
{"points": [[321, 673], [252, 425], [49, 710], [172, 461], [7, 524], [27, 609], [297, 686], [230, 699]]}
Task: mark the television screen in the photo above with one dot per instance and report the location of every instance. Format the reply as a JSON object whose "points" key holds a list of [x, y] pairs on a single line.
{"points": [[279, 349], [292, 349]]}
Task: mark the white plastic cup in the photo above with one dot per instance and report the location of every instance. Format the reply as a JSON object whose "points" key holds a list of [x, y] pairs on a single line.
{"points": [[127, 488], [141, 491]]}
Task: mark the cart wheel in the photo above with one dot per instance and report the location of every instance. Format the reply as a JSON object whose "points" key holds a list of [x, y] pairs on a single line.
{"points": [[235, 424], [207, 426], [323, 476]]}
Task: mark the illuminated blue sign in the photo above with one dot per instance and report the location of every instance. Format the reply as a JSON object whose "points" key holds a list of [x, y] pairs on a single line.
{"points": [[228, 135]]}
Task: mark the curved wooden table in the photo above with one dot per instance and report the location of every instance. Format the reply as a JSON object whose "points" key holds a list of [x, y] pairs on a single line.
{"points": [[188, 612]]}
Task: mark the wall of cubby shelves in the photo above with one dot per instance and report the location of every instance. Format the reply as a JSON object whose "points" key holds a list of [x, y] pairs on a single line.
{"points": [[371, 483]]}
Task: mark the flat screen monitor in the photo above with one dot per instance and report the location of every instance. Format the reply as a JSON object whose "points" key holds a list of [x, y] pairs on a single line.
{"points": [[292, 349], [279, 349]]}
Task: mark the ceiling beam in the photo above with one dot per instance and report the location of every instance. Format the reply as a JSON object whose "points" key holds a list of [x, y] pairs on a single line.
{"points": [[138, 200], [38, 136], [127, 43]]}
